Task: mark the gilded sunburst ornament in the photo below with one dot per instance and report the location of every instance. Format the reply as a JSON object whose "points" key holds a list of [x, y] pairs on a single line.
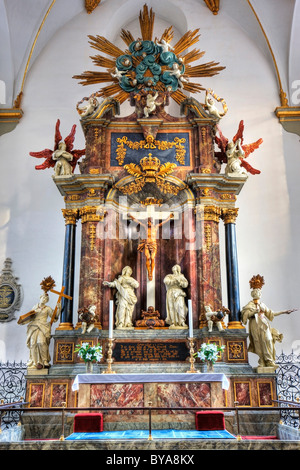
{"points": [[148, 64]]}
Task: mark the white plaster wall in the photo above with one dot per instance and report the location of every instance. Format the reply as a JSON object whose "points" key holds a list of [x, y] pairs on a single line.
{"points": [[31, 223]]}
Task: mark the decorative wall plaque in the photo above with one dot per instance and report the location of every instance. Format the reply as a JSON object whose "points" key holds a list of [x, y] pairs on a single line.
{"points": [[11, 295]]}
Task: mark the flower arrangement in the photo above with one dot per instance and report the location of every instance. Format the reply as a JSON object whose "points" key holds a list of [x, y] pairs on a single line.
{"points": [[209, 352], [89, 353]]}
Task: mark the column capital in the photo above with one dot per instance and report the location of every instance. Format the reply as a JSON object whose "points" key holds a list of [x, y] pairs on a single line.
{"points": [[207, 213], [92, 214], [70, 216], [229, 215]]}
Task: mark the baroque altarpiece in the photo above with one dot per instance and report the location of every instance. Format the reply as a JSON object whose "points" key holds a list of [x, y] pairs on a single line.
{"points": [[152, 194]]}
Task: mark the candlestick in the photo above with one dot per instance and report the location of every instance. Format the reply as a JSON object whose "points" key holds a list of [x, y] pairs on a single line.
{"points": [[192, 357], [111, 318], [109, 357], [190, 318]]}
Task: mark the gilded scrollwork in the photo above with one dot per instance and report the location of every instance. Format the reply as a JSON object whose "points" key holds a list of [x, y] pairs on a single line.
{"points": [[149, 170], [150, 143]]}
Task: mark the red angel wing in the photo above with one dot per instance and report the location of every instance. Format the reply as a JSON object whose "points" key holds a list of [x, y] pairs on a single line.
{"points": [[76, 155], [221, 142], [70, 139], [249, 168], [57, 136], [47, 154], [251, 147], [240, 132]]}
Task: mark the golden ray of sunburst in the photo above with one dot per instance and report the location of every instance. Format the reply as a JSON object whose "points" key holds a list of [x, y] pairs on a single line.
{"points": [[146, 19]]}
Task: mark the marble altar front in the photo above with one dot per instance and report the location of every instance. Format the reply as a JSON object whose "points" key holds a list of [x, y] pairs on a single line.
{"points": [[136, 391]]}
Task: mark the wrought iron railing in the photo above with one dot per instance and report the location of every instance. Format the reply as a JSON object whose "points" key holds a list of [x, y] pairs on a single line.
{"points": [[288, 386], [12, 389]]}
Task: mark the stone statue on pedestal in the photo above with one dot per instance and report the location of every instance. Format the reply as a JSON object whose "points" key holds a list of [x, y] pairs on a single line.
{"points": [[259, 316], [175, 302], [125, 298], [39, 332]]}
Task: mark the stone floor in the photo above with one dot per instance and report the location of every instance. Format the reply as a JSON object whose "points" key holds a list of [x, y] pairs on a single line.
{"points": [[184, 446]]}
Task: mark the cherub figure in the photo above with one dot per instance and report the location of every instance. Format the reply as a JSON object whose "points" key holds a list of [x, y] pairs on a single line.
{"points": [[211, 107], [166, 47], [118, 74], [214, 318], [89, 108], [235, 152], [62, 157], [150, 104], [178, 74], [88, 317]]}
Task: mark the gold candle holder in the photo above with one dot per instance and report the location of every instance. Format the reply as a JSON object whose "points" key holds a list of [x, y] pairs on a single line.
{"points": [[192, 357], [109, 357]]}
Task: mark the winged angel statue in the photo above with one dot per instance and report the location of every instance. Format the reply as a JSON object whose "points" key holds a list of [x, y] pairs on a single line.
{"points": [[63, 158], [234, 153]]}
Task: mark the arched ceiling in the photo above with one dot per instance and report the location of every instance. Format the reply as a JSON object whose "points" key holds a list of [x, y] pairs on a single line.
{"points": [[27, 26]]}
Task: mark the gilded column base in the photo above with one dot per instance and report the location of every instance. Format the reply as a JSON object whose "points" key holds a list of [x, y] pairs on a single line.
{"points": [[235, 325], [65, 326]]}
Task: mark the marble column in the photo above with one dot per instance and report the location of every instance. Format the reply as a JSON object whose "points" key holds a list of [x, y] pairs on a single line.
{"points": [[66, 320], [233, 291], [208, 259], [91, 259]]}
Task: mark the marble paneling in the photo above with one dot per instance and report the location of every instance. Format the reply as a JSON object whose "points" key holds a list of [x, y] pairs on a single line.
{"points": [[117, 395], [183, 395], [265, 393], [242, 393], [59, 395]]}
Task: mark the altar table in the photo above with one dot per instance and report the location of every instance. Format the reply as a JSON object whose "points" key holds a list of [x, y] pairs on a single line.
{"points": [[126, 393], [148, 378]]}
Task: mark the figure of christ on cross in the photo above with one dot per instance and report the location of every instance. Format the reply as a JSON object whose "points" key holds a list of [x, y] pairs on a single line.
{"points": [[149, 244]]}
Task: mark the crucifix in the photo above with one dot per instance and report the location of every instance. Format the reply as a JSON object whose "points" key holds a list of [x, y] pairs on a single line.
{"points": [[148, 245], [60, 296]]}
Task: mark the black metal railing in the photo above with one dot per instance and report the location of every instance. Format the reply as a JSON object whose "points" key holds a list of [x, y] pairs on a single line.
{"points": [[288, 387], [12, 390]]}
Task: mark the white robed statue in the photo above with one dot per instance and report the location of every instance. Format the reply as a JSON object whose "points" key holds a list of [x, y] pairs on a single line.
{"points": [[175, 302], [125, 297], [261, 336]]}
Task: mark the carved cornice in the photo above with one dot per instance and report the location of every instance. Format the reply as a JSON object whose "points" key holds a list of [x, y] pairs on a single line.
{"points": [[289, 117], [9, 118]]}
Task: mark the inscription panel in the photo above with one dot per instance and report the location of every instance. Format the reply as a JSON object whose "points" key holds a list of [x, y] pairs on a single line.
{"points": [[154, 351], [168, 147]]}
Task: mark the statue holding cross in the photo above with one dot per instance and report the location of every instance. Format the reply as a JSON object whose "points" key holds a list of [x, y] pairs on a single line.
{"points": [[39, 326]]}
